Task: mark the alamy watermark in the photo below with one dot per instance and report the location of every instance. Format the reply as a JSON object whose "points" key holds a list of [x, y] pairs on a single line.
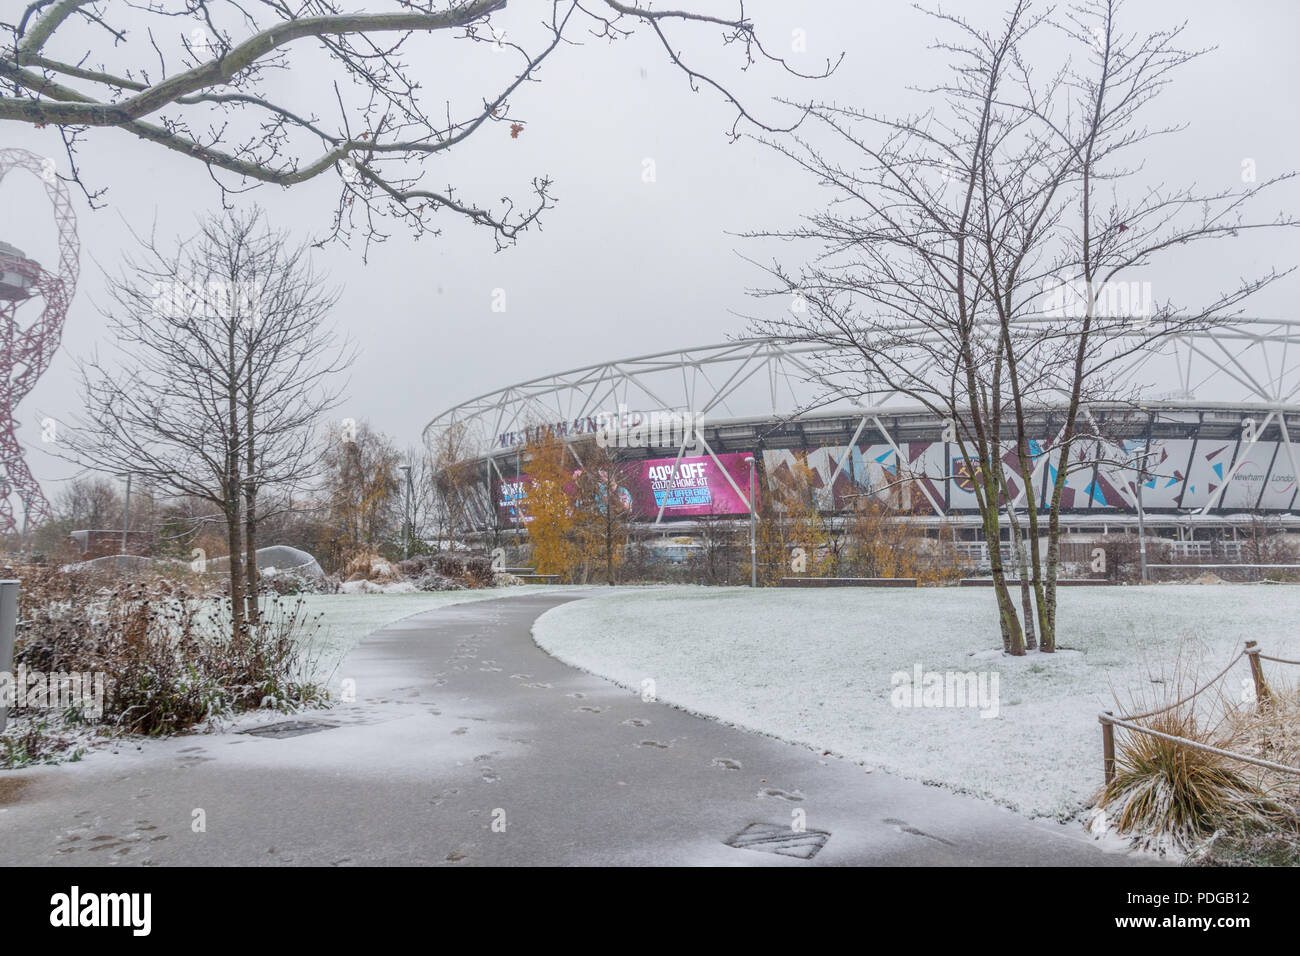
{"points": [[57, 690], [922, 688], [650, 430], [131, 911], [1076, 298], [208, 299]]}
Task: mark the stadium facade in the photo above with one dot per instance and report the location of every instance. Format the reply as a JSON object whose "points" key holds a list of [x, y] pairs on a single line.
{"points": [[1210, 443]]}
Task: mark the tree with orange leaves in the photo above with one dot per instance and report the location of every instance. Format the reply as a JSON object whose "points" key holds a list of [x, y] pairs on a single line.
{"points": [[549, 513]]}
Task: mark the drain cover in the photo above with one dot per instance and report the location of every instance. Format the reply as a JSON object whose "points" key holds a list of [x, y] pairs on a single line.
{"points": [[288, 728], [775, 838]]}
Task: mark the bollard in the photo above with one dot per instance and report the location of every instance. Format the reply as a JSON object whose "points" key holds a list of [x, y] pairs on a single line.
{"points": [[1108, 745], [1257, 672], [8, 626]]}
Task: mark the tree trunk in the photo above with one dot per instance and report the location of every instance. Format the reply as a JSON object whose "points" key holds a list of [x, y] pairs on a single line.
{"points": [[609, 537], [251, 516], [234, 492], [250, 544], [233, 538], [1013, 638], [1048, 640], [1022, 569]]}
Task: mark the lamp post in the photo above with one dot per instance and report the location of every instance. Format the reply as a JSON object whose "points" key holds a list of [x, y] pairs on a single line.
{"points": [[753, 545], [1142, 528], [126, 517]]}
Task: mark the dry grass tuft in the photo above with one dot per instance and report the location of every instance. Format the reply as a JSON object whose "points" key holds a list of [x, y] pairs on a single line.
{"points": [[1167, 795]]}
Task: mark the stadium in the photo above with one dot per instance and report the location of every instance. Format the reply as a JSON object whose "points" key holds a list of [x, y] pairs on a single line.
{"points": [[1206, 449]]}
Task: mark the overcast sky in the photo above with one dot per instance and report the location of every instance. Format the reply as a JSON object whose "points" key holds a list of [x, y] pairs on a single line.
{"points": [[622, 266]]}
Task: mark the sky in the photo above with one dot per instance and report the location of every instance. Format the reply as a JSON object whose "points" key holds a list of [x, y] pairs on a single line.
{"points": [[623, 266]]}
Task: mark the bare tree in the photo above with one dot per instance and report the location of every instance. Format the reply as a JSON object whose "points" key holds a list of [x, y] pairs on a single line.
{"points": [[87, 502], [291, 364], [423, 512], [90, 502], [898, 289], [456, 480], [224, 367], [194, 77], [361, 493], [948, 226], [719, 539], [601, 506], [1115, 225]]}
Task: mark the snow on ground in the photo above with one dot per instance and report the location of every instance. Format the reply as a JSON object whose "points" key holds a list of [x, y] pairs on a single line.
{"points": [[346, 619], [815, 666]]}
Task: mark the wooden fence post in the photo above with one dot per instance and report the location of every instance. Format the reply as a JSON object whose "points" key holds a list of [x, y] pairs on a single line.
{"points": [[1108, 744], [1257, 672]]}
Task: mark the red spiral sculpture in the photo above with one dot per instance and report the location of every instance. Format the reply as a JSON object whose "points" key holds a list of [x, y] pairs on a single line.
{"points": [[26, 349]]}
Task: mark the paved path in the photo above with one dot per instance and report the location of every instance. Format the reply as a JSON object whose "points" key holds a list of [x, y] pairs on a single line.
{"points": [[461, 720]]}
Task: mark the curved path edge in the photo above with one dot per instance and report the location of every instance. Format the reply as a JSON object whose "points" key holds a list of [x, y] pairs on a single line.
{"points": [[468, 744]]}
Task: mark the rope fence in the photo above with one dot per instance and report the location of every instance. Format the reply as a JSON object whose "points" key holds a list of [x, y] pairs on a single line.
{"points": [[1109, 721]]}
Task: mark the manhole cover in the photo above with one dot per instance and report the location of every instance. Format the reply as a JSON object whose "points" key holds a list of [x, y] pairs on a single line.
{"points": [[774, 838], [288, 728]]}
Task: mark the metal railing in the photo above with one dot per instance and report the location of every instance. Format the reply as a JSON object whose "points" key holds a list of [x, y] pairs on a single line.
{"points": [[1109, 721]]}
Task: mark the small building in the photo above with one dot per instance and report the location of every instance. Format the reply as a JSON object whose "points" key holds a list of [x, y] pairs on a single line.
{"points": [[17, 273], [97, 544]]}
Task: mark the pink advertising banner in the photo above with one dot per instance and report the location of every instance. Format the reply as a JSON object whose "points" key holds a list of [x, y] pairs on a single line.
{"points": [[685, 489], [690, 487]]}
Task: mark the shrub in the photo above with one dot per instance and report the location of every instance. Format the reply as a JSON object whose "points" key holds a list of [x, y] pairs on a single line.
{"points": [[168, 659], [289, 583], [449, 565], [1166, 793], [433, 581], [479, 572], [415, 566], [32, 745], [366, 566], [1169, 792]]}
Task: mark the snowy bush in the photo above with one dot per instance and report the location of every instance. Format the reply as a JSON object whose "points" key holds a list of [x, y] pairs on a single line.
{"points": [[168, 657], [360, 586], [433, 581], [289, 582], [369, 567], [479, 572], [414, 567], [449, 565]]}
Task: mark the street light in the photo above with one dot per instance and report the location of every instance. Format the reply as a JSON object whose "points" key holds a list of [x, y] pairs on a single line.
{"points": [[753, 546], [1142, 528], [126, 520]]}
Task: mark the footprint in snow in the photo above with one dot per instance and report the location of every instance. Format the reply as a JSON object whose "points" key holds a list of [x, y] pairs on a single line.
{"points": [[780, 794], [904, 827]]}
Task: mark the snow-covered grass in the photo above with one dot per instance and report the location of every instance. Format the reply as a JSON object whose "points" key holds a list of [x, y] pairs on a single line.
{"points": [[346, 619], [815, 666]]}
